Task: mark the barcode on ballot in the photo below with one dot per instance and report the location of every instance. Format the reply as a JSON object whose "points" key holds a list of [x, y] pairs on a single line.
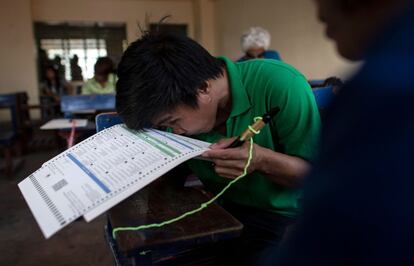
{"points": [[46, 199], [59, 185]]}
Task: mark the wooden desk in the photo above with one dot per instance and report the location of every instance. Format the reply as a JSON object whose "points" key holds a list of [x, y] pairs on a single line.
{"points": [[186, 240], [80, 133]]}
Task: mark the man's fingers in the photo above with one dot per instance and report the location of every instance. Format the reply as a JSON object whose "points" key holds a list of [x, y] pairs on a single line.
{"points": [[223, 143], [227, 172], [235, 164], [226, 154]]}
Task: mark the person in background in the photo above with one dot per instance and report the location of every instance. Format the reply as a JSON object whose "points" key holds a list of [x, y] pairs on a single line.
{"points": [[334, 82], [358, 202], [255, 44], [60, 68], [104, 79], [75, 69], [43, 63], [53, 86]]}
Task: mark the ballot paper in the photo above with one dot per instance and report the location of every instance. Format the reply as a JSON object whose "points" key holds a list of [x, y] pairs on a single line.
{"points": [[96, 174], [62, 123]]}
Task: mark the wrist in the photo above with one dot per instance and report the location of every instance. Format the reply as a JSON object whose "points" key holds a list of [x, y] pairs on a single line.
{"points": [[259, 158]]}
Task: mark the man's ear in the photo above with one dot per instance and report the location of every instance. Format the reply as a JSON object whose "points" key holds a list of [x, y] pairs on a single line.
{"points": [[205, 88], [204, 92]]}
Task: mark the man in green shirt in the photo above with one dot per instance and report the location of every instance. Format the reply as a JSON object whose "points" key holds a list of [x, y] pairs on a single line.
{"points": [[173, 82]]}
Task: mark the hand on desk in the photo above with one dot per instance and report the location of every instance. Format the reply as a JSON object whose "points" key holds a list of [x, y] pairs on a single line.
{"points": [[230, 162]]}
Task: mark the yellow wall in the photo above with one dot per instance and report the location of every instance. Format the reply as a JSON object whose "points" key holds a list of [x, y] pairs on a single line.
{"points": [[130, 12], [17, 49], [205, 24], [296, 33]]}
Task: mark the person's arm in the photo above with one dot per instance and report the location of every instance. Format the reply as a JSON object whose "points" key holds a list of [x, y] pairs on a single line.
{"points": [[297, 129], [283, 169], [46, 91], [69, 89]]}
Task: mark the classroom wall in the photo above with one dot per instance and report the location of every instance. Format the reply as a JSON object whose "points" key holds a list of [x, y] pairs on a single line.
{"points": [[130, 12], [205, 24], [17, 49], [296, 34]]}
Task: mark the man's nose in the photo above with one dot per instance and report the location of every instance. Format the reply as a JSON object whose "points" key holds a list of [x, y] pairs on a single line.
{"points": [[178, 130]]}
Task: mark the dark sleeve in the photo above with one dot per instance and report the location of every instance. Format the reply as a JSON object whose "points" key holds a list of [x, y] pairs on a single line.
{"points": [[358, 202]]}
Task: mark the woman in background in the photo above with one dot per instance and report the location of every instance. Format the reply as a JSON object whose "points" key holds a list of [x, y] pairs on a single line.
{"points": [[255, 44], [104, 79], [53, 86]]}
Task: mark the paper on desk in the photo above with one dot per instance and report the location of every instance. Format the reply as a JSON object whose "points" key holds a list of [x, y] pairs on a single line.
{"points": [[62, 123], [101, 171]]}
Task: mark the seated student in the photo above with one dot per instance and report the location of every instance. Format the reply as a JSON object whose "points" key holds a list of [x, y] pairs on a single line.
{"points": [[255, 43], [335, 83], [172, 82], [104, 79], [53, 86]]}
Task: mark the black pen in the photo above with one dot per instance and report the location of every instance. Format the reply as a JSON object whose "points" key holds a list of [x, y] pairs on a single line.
{"points": [[256, 126]]}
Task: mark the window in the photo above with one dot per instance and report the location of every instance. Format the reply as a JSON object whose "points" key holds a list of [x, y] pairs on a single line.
{"points": [[86, 40], [87, 50]]}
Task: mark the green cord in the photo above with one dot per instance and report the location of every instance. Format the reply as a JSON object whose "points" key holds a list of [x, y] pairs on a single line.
{"points": [[202, 205], [254, 130], [251, 128]]}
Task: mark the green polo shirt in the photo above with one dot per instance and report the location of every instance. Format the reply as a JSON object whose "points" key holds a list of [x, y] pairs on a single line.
{"points": [[257, 86], [93, 87]]}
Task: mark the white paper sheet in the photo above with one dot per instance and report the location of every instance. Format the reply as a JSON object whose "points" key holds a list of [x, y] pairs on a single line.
{"points": [[62, 123], [101, 171]]}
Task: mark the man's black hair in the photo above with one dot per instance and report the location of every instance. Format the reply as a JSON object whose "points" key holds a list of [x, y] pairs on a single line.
{"points": [[104, 66], [157, 73], [333, 81]]}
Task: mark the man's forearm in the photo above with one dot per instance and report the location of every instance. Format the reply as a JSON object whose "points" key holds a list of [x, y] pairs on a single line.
{"points": [[282, 169]]}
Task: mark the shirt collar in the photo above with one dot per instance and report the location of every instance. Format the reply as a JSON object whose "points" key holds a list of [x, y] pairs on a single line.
{"points": [[239, 99]]}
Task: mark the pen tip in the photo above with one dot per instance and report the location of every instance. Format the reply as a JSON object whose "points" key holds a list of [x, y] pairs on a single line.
{"points": [[274, 111]]}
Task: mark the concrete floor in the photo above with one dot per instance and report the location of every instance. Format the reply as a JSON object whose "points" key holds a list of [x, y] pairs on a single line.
{"points": [[21, 241]]}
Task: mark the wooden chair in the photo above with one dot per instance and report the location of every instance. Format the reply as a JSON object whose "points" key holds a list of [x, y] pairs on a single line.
{"points": [[323, 96], [24, 121], [105, 120], [70, 105], [49, 108], [316, 83], [9, 131]]}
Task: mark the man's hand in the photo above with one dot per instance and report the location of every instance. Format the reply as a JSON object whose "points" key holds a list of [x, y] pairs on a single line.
{"points": [[231, 162], [283, 169]]}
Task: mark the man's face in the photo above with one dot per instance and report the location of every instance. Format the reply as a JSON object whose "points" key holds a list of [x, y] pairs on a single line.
{"points": [[256, 52], [343, 25], [101, 78], [185, 120]]}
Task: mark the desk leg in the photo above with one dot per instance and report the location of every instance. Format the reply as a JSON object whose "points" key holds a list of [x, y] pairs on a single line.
{"points": [[8, 162], [142, 258], [119, 259]]}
